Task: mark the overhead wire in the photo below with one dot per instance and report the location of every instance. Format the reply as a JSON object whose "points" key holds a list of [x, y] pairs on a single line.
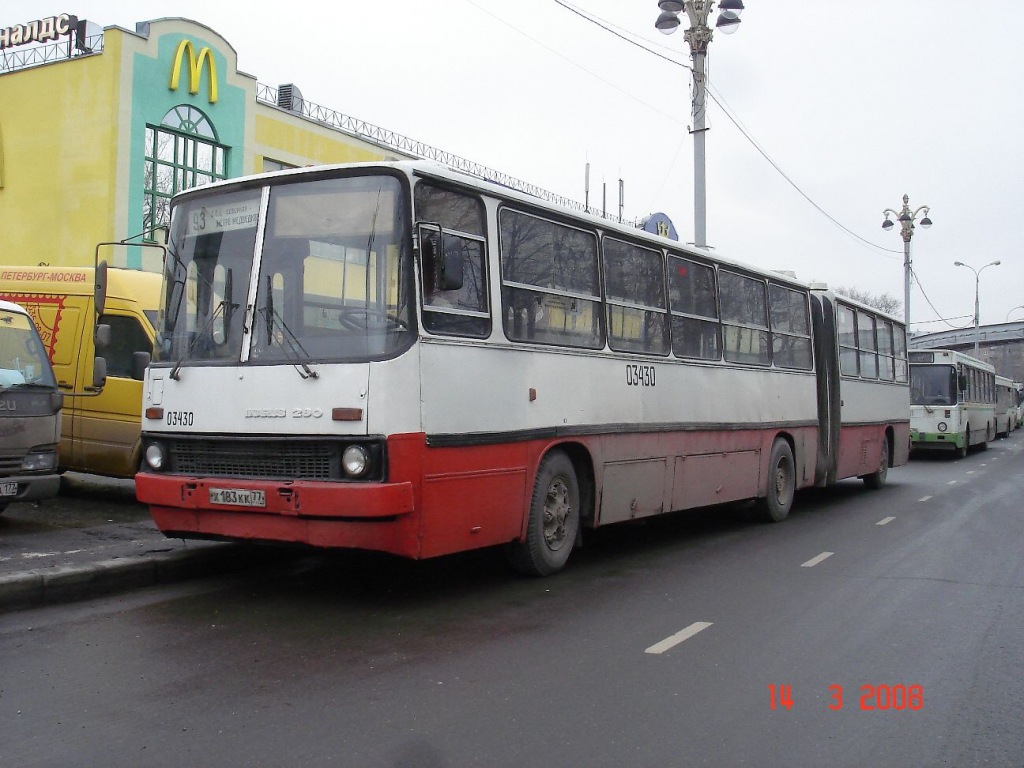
{"points": [[727, 111]]}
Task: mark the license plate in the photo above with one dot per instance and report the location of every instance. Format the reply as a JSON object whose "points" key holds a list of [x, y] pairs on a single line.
{"points": [[238, 497], [8, 489]]}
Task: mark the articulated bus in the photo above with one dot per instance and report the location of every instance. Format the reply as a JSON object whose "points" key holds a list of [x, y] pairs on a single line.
{"points": [[403, 358], [952, 401], [1006, 406]]}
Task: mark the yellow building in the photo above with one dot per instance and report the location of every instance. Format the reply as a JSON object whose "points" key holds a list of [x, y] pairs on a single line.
{"points": [[99, 127]]}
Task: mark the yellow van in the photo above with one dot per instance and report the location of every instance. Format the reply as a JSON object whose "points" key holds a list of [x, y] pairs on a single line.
{"points": [[100, 427]]}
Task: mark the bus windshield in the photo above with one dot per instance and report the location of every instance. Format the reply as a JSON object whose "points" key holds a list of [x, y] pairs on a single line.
{"points": [[332, 280], [932, 385], [23, 360]]}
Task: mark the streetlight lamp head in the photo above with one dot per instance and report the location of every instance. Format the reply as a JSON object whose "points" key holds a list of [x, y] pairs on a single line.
{"points": [[887, 224], [667, 23], [736, 6], [727, 22], [996, 263], [959, 264], [670, 6], [925, 223]]}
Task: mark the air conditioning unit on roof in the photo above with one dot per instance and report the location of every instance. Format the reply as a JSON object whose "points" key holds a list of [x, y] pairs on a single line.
{"points": [[290, 97]]}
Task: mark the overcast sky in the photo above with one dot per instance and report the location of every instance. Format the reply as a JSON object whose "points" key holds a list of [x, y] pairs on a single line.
{"points": [[856, 104]]}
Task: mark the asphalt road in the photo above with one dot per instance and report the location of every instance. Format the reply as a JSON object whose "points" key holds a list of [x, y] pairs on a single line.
{"points": [[888, 621]]}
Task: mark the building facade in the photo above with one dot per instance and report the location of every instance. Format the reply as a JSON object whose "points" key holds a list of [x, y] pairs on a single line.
{"points": [[100, 127], [1001, 345]]}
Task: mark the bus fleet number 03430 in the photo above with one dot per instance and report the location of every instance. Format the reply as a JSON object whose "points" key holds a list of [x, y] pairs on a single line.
{"points": [[639, 375]]}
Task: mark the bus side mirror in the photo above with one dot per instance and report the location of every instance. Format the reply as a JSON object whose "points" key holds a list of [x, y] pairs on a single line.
{"points": [[449, 266], [100, 287], [101, 336], [139, 362], [99, 373]]}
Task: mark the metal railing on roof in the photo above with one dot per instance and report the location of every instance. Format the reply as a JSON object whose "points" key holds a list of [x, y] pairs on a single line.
{"points": [[396, 142], [12, 59]]}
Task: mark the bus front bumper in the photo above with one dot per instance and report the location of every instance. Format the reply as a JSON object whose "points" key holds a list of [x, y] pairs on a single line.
{"points": [[936, 441], [374, 516]]}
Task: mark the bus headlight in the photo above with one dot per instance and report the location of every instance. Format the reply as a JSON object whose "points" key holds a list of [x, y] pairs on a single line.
{"points": [[356, 461], [942, 426], [156, 456]]}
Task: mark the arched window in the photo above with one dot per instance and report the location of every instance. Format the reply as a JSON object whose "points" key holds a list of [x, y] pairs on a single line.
{"points": [[181, 152]]}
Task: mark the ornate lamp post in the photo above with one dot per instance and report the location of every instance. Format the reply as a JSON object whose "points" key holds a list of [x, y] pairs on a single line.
{"points": [[906, 220], [977, 279], [697, 37]]}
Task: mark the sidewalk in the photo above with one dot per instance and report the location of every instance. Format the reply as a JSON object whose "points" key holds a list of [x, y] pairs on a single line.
{"points": [[95, 539]]}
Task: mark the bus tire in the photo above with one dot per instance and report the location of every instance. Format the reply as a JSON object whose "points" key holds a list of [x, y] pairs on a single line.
{"points": [[877, 479], [774, 506], [961, 451], [554, 519]]}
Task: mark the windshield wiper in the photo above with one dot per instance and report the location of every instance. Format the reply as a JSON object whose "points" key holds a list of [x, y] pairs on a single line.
{"points": [[292, 346], [195, 339]]}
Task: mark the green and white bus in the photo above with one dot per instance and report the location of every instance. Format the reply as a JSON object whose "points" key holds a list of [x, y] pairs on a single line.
{"points": [[952, 401]]}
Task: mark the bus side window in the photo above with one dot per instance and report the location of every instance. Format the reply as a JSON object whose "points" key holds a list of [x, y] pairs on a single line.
{"points": [[635, 293], [550, 289], [451, 235], [693, 298], [744, 318], [791, 327]]}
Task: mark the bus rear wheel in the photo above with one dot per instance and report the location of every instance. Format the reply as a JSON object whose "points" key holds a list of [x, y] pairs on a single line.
{"points": [[554, 519], [877, 478], [774, 507]]}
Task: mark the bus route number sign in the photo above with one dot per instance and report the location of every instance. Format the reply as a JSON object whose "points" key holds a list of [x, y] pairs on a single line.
{"points": [[639, 375]]}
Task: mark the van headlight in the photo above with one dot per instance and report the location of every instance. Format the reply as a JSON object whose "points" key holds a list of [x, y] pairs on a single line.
{"points": [[356, 461], [39, 461], [156, 456], [942, 426]]}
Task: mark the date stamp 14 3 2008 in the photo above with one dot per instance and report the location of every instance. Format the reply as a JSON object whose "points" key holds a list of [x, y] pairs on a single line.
{"points": [[892, 698]]}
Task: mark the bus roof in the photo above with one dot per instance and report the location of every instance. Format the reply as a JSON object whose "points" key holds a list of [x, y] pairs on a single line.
{"points": [[946, 357], [433, 170]]}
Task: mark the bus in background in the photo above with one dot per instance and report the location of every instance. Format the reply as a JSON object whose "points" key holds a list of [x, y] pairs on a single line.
{"points": [[30, 405], [403, 358], [952, 401], [1018, 393], [1006, 406], [100, 431]]}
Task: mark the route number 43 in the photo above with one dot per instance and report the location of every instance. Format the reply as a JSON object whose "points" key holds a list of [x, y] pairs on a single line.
{"points": [[781, 695]]}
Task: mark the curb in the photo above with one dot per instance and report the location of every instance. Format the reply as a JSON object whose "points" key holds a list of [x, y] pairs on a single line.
{"points": [[62, 584]]}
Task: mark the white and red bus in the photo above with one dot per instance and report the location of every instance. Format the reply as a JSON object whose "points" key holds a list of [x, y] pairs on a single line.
{"points": [[399, 357]]}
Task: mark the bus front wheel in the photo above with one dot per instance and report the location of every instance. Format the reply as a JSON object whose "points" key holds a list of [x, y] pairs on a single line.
{"points": [[554, 519], [774, 507]]}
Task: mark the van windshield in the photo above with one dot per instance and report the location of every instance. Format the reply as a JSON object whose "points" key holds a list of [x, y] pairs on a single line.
{"points": [[332, 276], [23, 359]]}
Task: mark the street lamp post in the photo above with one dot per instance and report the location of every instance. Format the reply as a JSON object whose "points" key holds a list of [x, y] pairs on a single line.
{"points": [[1020, 306], [906, 220], [697, 38], [977, 280]]}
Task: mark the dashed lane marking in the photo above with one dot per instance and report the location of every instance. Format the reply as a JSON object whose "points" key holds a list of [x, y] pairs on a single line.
{"points": [[678, 637], [815, 560]]}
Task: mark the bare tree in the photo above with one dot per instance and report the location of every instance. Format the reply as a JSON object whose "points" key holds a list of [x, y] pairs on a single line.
{"points": [[882, 301]]}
